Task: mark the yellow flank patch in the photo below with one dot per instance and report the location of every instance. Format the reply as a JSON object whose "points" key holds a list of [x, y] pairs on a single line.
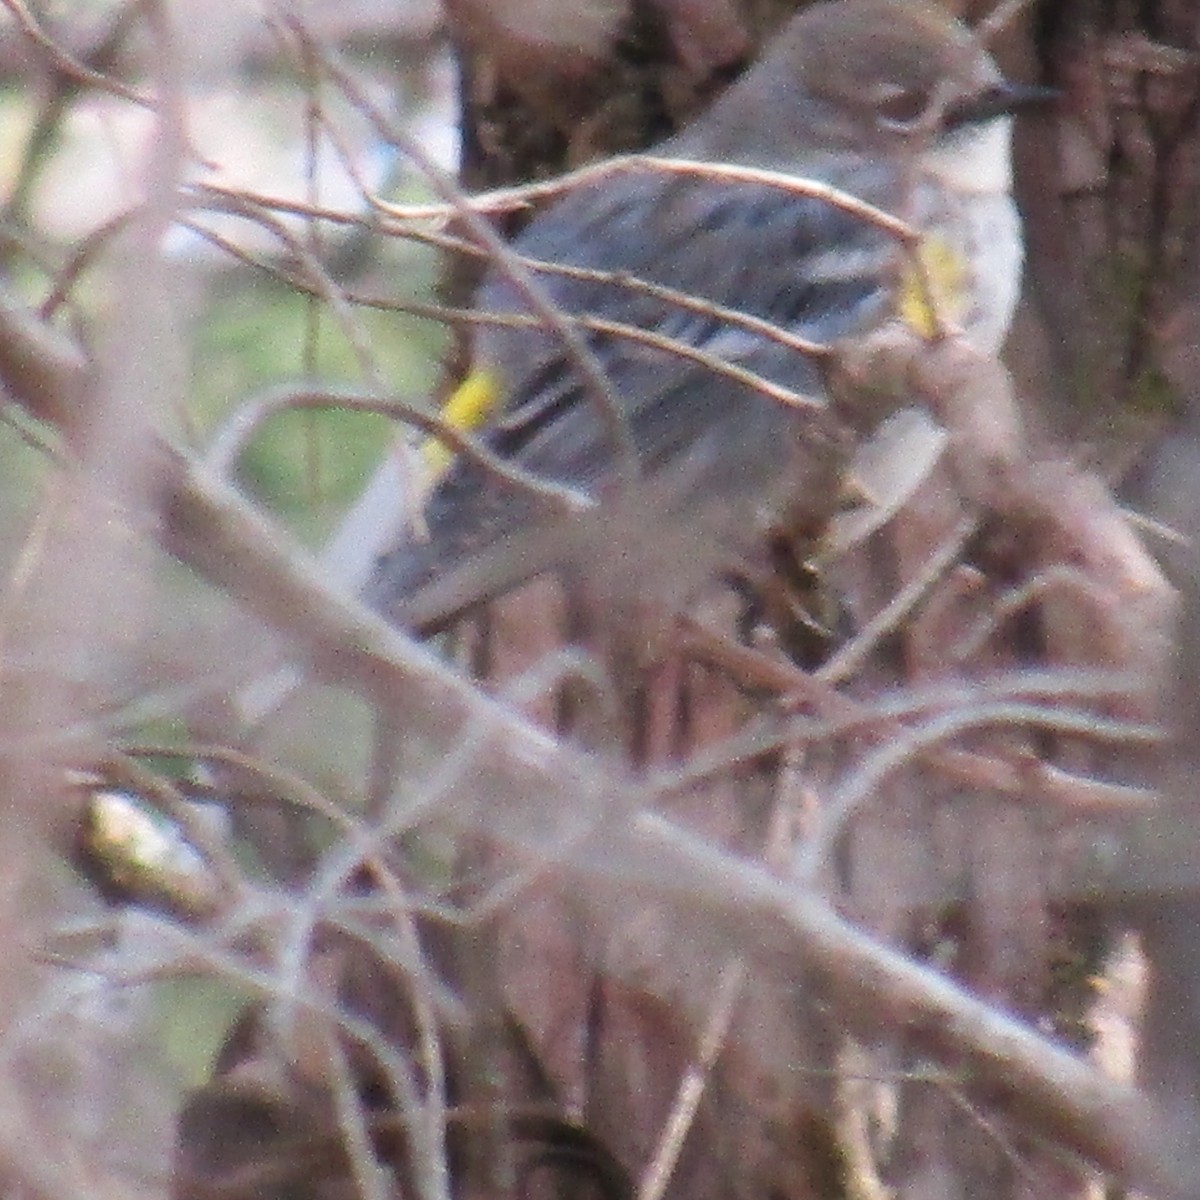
{"points": [[934, 291], [470, 405]]}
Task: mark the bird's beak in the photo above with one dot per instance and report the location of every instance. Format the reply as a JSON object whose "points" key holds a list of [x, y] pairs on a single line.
{"points": [[1001, 98]]}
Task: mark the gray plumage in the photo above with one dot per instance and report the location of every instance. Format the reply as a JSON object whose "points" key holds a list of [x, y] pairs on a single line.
{"points": [[718, 461]]}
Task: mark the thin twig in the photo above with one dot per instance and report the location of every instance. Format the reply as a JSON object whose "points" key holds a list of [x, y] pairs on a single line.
{"points": [[232, 437], [575, 347], [850, 657], [788, 397], [839, 716], [863, 782], [67, 64], [505, 199], [1070, 580], [657, 1176], [320, 282], [82, 257], [636, 285], [617, 329]]}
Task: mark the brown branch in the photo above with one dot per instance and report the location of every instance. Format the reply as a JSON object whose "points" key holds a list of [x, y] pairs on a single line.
{"points": [[574, 345], [1021, 1073], [617, 329], [507, 199], [67, 64], [232, 438]]}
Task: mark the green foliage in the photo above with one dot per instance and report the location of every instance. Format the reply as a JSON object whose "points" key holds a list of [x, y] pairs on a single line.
{"points": [[307, 465], [194, 1016]]}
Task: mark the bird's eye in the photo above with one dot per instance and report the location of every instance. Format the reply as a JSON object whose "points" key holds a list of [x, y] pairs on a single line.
{"points": [[901, 108]]}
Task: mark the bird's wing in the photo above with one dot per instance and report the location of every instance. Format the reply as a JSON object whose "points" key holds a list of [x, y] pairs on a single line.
{"points": [[798, 262]]}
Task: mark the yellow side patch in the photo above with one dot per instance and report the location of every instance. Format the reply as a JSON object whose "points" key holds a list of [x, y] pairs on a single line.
{"points": [[935, 293], [470, 405]]}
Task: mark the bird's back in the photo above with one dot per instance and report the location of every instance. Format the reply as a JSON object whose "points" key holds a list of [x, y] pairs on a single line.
{"points": [[794, 261]]}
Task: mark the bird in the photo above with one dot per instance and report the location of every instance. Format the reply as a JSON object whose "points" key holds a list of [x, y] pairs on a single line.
{"points": [[676, 470]]}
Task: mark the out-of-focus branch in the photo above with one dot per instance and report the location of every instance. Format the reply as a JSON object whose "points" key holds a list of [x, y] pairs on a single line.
{"points": [[79, 73], [41, 369], [1028, 1077]]}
